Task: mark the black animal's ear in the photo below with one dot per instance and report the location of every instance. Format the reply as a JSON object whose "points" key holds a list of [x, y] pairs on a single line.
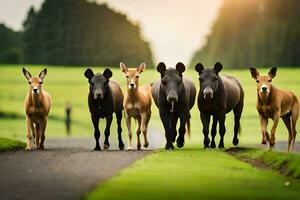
{"points": [[107, 73], [141, 68], [272, 72], [199, 68], [123, 67], [161, 68], [180, 67], [26, 74], [218, 67], [43, 74], [88, 73], [254, 73]]}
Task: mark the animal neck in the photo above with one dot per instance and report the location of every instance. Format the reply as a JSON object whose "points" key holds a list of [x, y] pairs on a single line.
{"points": [[265, 98], [133, 92], [36, 99]]}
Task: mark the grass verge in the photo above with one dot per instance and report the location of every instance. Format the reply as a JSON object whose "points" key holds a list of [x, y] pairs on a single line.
{"points": [[195, 174], [9, 144], [287, 164]]}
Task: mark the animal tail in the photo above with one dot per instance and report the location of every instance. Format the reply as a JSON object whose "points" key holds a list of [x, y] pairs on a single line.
{"points": [[188, 126]]}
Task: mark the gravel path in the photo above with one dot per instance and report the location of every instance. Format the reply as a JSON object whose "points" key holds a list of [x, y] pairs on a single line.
{"points": [[67, 169], [280, 146]]}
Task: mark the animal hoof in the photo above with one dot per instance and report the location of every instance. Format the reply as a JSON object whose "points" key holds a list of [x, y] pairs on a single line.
{"points": [[180, 143], [212, 145], [28, 148], [139, 147], [106, 146], [97, 148], [235, 141], [121, 146], [129, 148], [221, 146], [41, 147], [264, 142], [146, 145], [169, 146]]}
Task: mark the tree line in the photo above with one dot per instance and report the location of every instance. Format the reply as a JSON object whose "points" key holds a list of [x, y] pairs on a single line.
{"points": [[254, 33], [78, 32]]}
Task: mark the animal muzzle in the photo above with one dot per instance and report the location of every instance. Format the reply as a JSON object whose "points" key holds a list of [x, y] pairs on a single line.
{"points": [[208, 93], [35, 90], [172, 98], [264, 89], [131, 85], [98, 95]]}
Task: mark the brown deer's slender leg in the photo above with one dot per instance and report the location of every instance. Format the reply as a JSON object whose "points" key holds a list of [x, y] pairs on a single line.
{"points": [[145, 120], [272, 138], [287, 121], [128, 123], [28, 121], [263, 125], [138, 132], [42, 136]]}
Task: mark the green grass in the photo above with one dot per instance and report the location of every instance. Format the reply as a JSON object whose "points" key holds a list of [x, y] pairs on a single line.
{"points": [[195, 174], [69, 84], [288, 164], [9, 144]]}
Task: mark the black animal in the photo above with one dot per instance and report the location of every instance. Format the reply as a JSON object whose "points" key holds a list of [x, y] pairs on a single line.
{"points": [[105, 98], [174, 95], [218, 95]]}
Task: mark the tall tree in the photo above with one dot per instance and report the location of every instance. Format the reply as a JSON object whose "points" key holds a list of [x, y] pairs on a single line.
{"points": [[77, 32]]}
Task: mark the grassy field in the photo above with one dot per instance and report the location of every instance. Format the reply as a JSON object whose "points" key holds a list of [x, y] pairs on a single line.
{"points": [[69, 85], [9, 144], [196, 174]]}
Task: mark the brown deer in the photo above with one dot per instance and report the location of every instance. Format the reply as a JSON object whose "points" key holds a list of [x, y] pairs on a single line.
{"points": [[137, 103], [274, 103], [37, 106]]}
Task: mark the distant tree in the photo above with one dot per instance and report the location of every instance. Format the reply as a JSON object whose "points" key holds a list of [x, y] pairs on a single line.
{"points": [[10, 45], [77, 32], [254, 33]]}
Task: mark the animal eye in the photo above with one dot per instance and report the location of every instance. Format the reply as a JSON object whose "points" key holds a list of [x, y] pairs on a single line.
{"points": [[29, 82], [41, 82], [136, 76], [270, 80], [127, 76], [257, 81]]}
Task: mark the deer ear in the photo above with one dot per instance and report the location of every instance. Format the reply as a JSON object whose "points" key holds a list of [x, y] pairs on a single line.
{"points": [[161, 68], [141, 68], [107, 73], [218, 67], [123, 67], [254, 73], [26, 74], [88, 73], [180, 67], [272, 72], [43, 74], [199, 68]]}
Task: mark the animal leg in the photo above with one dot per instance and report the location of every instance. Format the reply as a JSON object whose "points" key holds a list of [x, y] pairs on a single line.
{"points": [[287, 121], [295, 114], [138, 132], [183, 119], [42, 136], [165, 118], [237, 116], [222, 129], [28, 122], [263, 125], [119, 119], [95, 120], [38, 134], [174, 121], [33, 131], [128, 124], [213, 132], [272, 138], [145, 121], [205, 119], [107, 131]]}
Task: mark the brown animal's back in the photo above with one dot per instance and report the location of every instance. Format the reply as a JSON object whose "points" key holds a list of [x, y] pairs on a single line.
{"points": [[117, 95]]}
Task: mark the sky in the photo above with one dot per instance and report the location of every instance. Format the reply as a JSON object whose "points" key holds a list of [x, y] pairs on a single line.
{"points": [[175, 29]]}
